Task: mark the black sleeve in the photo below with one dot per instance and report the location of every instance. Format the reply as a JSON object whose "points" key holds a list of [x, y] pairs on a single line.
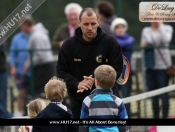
{"points": [[36, 129], [72, 129], [63, 69], [115, 57]]}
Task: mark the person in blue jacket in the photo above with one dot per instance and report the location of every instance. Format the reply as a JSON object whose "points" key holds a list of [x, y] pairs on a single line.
{"points": [[119, 27], [17, 62]]}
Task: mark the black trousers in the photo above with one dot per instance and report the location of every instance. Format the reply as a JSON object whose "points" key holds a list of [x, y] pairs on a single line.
{"points": [[157, 79], [42, 74], [76, 108]]}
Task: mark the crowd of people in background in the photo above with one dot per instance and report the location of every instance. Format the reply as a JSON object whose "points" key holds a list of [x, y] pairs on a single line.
{"points": [[74, 40]]}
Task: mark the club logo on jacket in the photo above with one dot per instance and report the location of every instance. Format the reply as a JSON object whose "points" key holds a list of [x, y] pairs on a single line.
{"points": [[101, 59]]}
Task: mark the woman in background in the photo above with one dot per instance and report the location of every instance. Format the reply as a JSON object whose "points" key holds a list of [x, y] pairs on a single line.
{"points": [[119, 27], [158, 34]]}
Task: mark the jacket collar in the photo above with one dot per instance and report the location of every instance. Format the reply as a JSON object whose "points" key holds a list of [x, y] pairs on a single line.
{"points": [[102, 91]]}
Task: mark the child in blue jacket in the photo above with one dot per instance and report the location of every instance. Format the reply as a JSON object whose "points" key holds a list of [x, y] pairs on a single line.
{"points": [[102, 104]]}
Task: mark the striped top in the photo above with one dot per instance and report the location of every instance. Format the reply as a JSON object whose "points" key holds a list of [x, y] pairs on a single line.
{"points": [[102, 104]]}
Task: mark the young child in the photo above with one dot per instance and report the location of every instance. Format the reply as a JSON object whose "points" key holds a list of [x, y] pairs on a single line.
{"points": [[102, 104], [33, 108], [119, 27], [55, 91]]}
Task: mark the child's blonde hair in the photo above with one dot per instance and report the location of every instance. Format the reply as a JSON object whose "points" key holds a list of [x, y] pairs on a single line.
{"points": [[55, 89], [34, 107], [105, 76]]}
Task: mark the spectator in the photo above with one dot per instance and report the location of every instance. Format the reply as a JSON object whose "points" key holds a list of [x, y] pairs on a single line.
{"points": [[119, 27], [55, 91], [158, 34], [17, 60], [33, 109], [103, 98], [43, 64], [173, 38], [66, 30], [81, 54], [106, 12], [3, 79]]}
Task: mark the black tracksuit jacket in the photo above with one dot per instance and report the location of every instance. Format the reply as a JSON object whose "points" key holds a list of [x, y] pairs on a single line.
{"points": [[78, 58]]}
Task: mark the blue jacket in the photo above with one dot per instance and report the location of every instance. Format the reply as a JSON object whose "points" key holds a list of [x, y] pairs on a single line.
{"points": [[102, 104], [52, 111], [126, 42], [18, 59]]}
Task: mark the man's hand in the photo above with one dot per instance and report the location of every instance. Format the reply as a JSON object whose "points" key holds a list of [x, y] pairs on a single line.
{"points": [[143, 45], [83, 85], [13, 71], [86, 84], [89, 79]]}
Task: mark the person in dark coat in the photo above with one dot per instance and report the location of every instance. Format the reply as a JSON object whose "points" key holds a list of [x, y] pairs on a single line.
{"points": [[67, 30], [3, 78], [106, 12], [55, 91]]}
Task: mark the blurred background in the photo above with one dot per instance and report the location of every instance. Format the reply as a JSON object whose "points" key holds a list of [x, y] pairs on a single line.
{"points": [[51, 14]]}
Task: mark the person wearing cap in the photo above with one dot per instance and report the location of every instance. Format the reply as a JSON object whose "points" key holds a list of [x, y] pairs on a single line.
{"points": [[66, 30], [119, 27]]}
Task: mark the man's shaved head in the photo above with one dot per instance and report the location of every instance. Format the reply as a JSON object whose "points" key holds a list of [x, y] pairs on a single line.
{"points": [[89, 22], [89, 12]]}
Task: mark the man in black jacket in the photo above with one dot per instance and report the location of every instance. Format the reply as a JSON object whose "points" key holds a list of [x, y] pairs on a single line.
{"points": [[81, 54]]}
